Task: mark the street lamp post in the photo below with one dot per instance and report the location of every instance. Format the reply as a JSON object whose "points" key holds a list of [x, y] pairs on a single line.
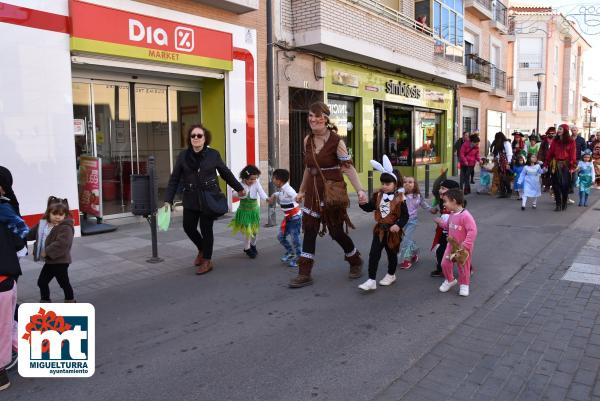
{"points": [[539, 88]]}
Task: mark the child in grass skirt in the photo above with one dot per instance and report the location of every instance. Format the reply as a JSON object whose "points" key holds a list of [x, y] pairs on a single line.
{"points": [[247, 216]]}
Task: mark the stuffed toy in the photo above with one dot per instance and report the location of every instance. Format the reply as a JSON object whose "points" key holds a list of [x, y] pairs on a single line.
{"points": [[458, 254]]}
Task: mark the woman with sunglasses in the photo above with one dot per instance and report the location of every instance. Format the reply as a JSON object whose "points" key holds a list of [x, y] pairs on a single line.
{"points": [[196, 168]]}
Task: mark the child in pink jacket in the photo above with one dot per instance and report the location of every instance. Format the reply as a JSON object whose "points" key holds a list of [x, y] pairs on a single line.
{"points": [[461, 226]]}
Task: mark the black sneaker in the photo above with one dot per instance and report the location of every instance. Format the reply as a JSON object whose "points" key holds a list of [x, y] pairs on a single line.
{"points": [[4, 382], [250, 253], [522, 207], [253, 248], [13, 361], [436, 273]]}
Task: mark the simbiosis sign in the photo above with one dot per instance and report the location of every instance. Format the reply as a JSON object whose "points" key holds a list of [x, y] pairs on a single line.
{"points": [[97, 29], [402, 89]]}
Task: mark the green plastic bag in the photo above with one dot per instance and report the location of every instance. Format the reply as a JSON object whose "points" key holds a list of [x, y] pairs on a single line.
{"points": [[163, 218]]}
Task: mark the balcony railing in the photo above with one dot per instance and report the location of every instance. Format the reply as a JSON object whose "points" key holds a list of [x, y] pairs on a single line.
{"points": [[499, 78], [478, 69], [486, 3], [394, 15], [500, 13], [530, 61], [509, 86]]}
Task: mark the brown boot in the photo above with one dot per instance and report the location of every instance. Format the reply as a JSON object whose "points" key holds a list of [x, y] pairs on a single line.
{"points": [[355, 265], [205, 267], [303, 278], [199, 259]]}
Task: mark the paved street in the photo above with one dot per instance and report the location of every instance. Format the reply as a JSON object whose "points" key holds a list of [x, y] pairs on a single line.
{"points": [[239, 334]]}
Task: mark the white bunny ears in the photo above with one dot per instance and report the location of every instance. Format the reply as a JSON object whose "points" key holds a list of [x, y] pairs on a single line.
{"points": [[385, 168]]}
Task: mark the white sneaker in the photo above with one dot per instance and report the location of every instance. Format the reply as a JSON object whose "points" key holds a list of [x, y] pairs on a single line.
{"points": [[447, 285], [368, 285], [571, 201], [464, 290], [388, 279]]}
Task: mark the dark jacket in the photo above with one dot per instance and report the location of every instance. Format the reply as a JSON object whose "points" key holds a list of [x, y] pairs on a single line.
{"points": [[9, 262], [198, 171], [57, 245], [580, 146]]}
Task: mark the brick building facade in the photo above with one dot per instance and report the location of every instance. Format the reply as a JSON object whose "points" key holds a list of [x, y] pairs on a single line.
{"points": [[484, 98], [359, 56]]}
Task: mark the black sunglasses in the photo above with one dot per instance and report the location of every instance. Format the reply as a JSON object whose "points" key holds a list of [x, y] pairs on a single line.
{"points": [[197, 136]]}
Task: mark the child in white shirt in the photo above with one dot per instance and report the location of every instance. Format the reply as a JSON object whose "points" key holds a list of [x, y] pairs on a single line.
{"points": [[292, 222]]}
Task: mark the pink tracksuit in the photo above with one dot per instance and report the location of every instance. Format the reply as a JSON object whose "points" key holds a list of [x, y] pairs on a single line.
{"points": [[461, 226]]}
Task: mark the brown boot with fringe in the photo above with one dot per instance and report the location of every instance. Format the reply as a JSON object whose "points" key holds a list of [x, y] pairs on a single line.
{"points": [[303, 278], [355, 262]]}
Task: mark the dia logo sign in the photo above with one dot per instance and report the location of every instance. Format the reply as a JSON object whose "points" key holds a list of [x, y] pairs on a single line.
{"points": [[184, 37], [56, 340]]}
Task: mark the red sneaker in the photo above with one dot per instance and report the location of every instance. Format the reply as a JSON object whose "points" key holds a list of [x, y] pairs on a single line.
{"points": [[405, 265], [414, 259]]}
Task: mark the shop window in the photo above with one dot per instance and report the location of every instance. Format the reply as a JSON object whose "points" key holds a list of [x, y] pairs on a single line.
{"points": [[428, 137], [343, 115], [397, 136]]}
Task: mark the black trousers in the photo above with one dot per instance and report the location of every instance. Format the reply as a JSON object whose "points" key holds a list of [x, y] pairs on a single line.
{"points": [[466, 172], [561, 184], [439, 252], [204, 239], [375, 254], [336, 231], [60, 271]]}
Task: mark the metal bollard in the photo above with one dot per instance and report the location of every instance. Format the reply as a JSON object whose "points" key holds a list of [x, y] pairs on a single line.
{"points": [[153, 186], [370, 183], [427, 181]]}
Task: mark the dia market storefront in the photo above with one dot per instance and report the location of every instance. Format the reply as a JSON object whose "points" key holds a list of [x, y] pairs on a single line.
{"points": [[134, 85], [406, 119]]}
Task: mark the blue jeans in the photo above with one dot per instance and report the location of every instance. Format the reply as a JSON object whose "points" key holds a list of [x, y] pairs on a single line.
{"points": [[583, 198], [409, 246], [292, 228]]}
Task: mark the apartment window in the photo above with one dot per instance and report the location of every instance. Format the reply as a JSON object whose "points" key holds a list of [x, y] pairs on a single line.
{"points": [[555, 97], [530, 52], [571, 97], [523, 99], [469, 119], [533, 99], [448, 25]]}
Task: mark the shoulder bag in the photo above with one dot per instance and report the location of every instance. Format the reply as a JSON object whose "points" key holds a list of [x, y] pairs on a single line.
{"points": [[335, 193]]}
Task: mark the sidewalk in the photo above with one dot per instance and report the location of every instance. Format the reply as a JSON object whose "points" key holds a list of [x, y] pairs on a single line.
{"points": [[536, 339], [118, 258]]}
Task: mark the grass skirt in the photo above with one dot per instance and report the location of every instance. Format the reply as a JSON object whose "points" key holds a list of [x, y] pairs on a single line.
{"points": [[247, 218]]}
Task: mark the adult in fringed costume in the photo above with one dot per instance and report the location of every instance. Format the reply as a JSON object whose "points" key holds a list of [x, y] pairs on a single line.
{"points": [[561, 162], [326, 159], [502, 151]]}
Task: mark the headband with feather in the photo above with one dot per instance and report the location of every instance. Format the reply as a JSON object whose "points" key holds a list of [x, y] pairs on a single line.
{"points": [[385, 168]]}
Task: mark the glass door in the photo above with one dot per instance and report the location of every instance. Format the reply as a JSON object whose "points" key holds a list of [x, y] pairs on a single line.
{"points": [[83, 121], [102, 129], [152, 132], [184, 111], [113, 143], [397, 135]]}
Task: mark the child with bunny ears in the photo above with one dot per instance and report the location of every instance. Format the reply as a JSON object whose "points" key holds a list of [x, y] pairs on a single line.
{"points": [[391, 215]]}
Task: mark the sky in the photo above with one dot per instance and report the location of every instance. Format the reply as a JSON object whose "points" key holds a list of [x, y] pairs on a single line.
{"points": [[588, 20]]}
